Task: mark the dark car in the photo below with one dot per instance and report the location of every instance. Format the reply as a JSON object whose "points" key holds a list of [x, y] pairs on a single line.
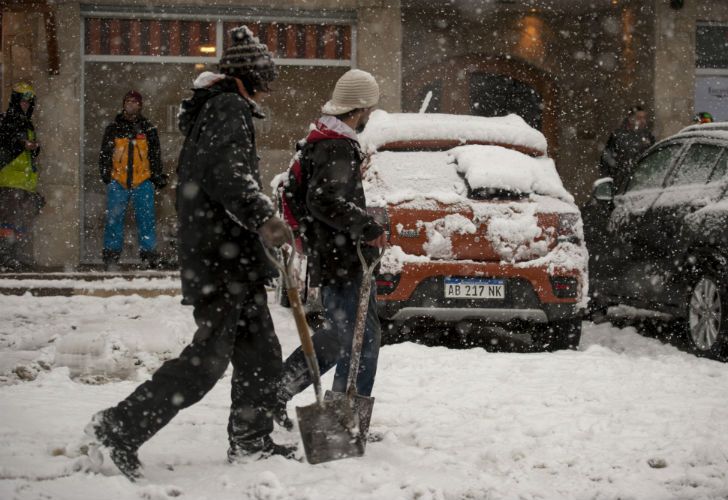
{"points": [[660, 242]]}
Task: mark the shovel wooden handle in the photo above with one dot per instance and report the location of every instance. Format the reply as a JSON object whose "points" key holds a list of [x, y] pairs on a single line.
{"points": [[299, 315], [361, 318], [304, 333]]}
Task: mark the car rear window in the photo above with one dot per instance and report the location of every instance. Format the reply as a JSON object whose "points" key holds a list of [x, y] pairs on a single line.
{"points": [[474, 172], [697, 165], [403, 176], [652, 170]]}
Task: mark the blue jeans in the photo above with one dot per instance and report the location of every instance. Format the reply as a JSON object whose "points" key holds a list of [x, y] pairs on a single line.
{"points": [[142, 197], [332, 343]]}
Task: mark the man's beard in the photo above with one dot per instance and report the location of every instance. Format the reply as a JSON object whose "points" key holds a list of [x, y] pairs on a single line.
{"points": [[360, 128]]}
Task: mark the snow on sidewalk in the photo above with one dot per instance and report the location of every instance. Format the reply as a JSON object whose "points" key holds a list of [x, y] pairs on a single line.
{"points": [[457, 424]]}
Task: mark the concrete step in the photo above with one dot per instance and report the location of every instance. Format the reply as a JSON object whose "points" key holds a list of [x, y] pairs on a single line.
{"points": [[92, 283]]}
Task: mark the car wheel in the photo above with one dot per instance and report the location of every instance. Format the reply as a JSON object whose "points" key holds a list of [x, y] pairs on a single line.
{"points": [[707, 322], [559, 335], [392, 332]]}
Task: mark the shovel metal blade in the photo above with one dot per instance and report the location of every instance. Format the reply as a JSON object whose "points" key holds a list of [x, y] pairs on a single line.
{"points": [[329, 431], [362, 406]]}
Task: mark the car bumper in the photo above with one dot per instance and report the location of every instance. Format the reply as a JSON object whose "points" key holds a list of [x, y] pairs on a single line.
{"points": [[529, 294]]}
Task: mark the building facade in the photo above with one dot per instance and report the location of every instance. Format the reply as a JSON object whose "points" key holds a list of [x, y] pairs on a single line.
{"points": [[570, 69]]}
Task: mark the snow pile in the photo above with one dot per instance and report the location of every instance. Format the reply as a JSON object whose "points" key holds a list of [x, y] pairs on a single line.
{"points": [[517, 236], [599, 423], [387, 128], [395, 258], [508, 170], [96, 338], [439, 244]]}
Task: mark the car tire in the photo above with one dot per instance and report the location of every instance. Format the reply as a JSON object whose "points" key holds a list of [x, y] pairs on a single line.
{"points": [[706, 325], [559, 335], [392, 332]]}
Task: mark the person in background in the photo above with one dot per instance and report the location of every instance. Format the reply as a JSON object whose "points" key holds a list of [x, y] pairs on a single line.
{"points": [[625, 145], [20, 202], [224, 220], [703, 117], [130, 164]]}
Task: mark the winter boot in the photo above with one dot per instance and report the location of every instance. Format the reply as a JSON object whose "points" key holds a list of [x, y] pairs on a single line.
{"points": [[125, 456], [8, 250], [280, 415], [259, 448], [111, 259], [150, 259]]}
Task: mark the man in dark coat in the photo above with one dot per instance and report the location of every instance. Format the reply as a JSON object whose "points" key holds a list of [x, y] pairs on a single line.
{"points": [[624, 147], [130, 164], [19, 201], [223, 216], [331, 161]]}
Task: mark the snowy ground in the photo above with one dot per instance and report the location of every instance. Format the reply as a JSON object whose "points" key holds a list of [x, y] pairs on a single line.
{"points": [[624, 417]]}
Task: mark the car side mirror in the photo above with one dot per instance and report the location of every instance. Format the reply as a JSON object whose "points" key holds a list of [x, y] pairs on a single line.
{"points": [[603, 189]]}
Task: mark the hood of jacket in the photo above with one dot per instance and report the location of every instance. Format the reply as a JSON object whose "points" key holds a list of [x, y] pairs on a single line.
{"points": [[329, 127], [15, 109], [207, 86]]}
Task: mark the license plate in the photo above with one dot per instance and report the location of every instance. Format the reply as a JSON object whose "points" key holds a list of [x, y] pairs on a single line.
{"points": [[457, 288]]}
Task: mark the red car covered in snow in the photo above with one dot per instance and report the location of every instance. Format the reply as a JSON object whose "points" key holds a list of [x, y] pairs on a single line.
{"points": [[480, 226]]}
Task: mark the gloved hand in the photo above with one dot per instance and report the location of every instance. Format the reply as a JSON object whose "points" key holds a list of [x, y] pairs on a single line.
{"points": [[275, 232], [160, 181]]}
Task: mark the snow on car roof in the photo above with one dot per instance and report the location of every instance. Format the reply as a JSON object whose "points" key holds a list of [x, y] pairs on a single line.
{"points": [[388, 128], [440, 176]]}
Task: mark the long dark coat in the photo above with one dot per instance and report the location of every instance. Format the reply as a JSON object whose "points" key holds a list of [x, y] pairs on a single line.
{"points": [[219, 200]]}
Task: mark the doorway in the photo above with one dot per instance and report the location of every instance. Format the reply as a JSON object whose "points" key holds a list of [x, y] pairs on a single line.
{"points": [[500, 95]]}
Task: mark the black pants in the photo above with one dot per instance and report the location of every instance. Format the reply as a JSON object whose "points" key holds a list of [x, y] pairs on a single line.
{"points": [[231, 328]]}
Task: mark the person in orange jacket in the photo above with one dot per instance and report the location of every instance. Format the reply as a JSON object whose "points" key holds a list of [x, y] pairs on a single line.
{"points": [[131, 166]]}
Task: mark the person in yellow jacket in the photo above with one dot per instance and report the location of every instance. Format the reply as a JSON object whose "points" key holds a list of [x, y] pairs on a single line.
{"points": [[19, 201], [131, 166]]}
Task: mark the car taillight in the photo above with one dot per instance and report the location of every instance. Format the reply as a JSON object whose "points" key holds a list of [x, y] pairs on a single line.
{"points": [[381, 217], [387, 283], [569, 229], [565, 287]]}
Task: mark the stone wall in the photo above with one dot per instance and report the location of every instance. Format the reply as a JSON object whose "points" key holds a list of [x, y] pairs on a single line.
{"points": [[674, 60]]}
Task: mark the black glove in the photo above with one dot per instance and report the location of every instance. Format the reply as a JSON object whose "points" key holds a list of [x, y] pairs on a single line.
{"points": [[160, 181], [106, 177], [274, 232]]}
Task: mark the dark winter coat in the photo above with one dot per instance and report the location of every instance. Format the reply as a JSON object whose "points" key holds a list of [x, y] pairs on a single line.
{"points": [[14, 128], [219, 201], [130, 153], [335, 200], [624, 147]]}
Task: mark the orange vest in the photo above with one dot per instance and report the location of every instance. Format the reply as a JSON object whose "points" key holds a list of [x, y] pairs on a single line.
{"points": [[139, 160]]}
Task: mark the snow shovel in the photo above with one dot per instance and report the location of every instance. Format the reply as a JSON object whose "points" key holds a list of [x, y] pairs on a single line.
{"points": [[329, 428], [362, 405]]}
